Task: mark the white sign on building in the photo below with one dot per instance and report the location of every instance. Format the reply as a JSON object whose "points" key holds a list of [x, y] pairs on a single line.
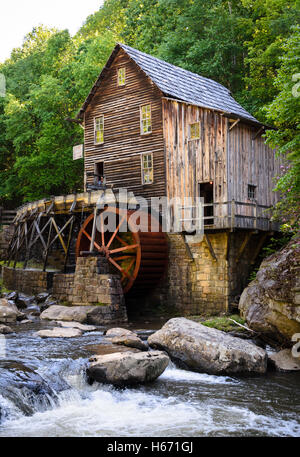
{"points": [[78, 152]]}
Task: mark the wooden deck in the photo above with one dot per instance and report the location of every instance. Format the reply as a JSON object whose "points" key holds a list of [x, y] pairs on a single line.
{"points": [[228, 215]]}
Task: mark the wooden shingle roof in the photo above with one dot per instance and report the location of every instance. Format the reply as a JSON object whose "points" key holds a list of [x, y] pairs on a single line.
{"points": [[183, 85]]}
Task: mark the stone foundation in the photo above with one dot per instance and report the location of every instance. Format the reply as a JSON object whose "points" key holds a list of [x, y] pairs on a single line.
{"points": [[86, 287], [196, 282]]}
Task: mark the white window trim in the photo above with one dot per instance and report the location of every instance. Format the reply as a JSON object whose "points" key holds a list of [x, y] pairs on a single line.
{"points": [[142, 168], [121, 68], [95, 118], [141, 119]]}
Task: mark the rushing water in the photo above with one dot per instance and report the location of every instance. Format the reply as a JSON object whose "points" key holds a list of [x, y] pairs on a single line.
{"points": [[179, 403]]}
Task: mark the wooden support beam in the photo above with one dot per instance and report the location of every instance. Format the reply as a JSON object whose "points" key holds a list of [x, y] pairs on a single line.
{"points": [[234, 124], [209, 245], [258, 247], [187, 248], [69, 244], [228, 246], [48, 245], [243, 246]]}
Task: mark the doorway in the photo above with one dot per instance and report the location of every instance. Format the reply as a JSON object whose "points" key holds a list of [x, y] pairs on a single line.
{"points": [[206, 191], [98, 172]]}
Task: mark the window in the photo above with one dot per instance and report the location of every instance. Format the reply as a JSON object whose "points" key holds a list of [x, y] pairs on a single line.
{"points": [[147, 168], [251, 192], [194, 131], [146, 124], [121, 76], [99, 130]]}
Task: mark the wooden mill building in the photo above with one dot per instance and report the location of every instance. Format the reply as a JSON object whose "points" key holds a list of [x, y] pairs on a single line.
{"points": [[161, 131]]}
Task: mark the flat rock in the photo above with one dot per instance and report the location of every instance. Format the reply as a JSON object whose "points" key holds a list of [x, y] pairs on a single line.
{"points": [[208, 350], [58, 332], [284, 361], [130, 341], [66, 313], [118, 331], [123, 369], [82, 327], [5, 330]]}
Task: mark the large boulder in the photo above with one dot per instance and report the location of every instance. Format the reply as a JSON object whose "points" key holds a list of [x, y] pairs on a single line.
{"points": [[123, 369], [208, 350], [8, 311], [271, 303], [284, 360]]}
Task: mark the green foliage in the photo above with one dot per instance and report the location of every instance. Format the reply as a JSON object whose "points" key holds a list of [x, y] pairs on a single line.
{"points": [[222, 323], [284, 113], [250, 46]]}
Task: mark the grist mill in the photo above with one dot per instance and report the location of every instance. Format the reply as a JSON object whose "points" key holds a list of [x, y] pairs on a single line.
{"points": [[155, 130]]}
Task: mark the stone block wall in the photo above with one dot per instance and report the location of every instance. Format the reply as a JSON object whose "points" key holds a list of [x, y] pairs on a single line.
{"points": [[31, 282], [87, 285], [196, 283]]}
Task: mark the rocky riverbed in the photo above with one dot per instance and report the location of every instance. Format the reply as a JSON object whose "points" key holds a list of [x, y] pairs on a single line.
{"points": [[46, 392]]}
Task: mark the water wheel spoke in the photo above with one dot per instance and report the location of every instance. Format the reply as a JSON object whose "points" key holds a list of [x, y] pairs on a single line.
{"points": [[116, 231], [124, 272], [124, 257], [125, 248], [121, 241], [90, 238]]}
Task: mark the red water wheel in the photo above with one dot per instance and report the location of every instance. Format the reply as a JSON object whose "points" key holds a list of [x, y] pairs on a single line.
{"points": [[140, 257]]}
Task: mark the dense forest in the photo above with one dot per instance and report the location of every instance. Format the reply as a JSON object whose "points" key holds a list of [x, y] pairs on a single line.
{"points": [[250, 46]]}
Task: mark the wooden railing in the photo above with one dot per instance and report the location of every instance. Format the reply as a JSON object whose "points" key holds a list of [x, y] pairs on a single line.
{"points": [[236, 214], [7, 216]]}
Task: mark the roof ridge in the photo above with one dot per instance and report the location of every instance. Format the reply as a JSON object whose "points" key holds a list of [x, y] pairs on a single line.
{"points": [[190, 73]]}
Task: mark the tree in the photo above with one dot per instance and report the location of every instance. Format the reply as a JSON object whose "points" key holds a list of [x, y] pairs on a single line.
{"points": [[284, 114]]}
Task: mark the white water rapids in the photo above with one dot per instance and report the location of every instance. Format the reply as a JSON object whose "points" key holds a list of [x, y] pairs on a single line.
{"points": [[179, 403]]}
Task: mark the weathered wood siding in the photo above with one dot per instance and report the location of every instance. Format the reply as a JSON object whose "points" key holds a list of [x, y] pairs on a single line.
{"points": [[123, 143], [191, 162], [251, 161]]}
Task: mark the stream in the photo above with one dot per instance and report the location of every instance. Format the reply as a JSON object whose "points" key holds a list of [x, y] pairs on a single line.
{"points": [[178, 403]]}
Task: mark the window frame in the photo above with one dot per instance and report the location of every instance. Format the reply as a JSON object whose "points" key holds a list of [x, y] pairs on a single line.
{"points": [[143, 172], [118, 70], [95, 130], [251, 189], [190, 136], [141, 119]]}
